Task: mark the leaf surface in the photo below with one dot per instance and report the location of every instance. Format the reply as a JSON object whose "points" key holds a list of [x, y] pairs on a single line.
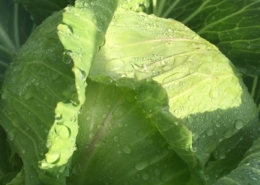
{"points": [[232, 26], [45, 88], [248, 170], [117, 144], [203, 93]]}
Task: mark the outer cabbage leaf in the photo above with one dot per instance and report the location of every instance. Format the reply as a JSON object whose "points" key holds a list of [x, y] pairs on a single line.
{"points": [[44, 89], [117, 144], [248, 171], [232, 26], [206, 100]]}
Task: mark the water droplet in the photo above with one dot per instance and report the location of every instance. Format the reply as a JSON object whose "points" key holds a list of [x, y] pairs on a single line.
{"points": [[210, 132], [66, 57], [190, 119], [195, 136], [82, 74], [214, 94], [140, 165], [120, 124], [11, 134], [145, 176], [222, 154], [114, 65], [58, 116], [77, 169], [193, 149], [28, 95], [116, 138], [127, 150], [239, 124], [62, 131], [130, 96], [52, 157], [191, 97], [228, 134]]}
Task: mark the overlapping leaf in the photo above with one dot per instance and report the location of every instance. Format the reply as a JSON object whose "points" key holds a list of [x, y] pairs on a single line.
{"points": [[248, 171], [45, 88], [204, 90], [117, 144]]}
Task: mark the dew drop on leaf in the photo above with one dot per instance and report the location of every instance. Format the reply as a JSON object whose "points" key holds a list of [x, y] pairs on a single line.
{"points": [[141, 165], [145, 176], [62, 131], [127, 150], [28, 95], [210, 132], [116, 138], [239, 124], [228, 134], [11, 135], [130, 96], [214, 94], [66, 57], [77, 169]]}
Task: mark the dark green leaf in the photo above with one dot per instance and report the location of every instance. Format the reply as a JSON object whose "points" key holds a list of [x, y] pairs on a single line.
{"points": [[117, 144], [44, 89], [15, 27], [248, 171], [40, 10], [233, 26]]}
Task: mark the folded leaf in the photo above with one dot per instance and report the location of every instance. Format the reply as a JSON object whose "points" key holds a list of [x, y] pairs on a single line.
{"points": [[45, 88]]}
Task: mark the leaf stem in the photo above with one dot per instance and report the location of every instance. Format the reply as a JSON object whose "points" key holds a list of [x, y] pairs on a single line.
{"points": [[16, 26], [254, 86], [169, 10], [195, 12], [7, 41], [160, 8]]}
